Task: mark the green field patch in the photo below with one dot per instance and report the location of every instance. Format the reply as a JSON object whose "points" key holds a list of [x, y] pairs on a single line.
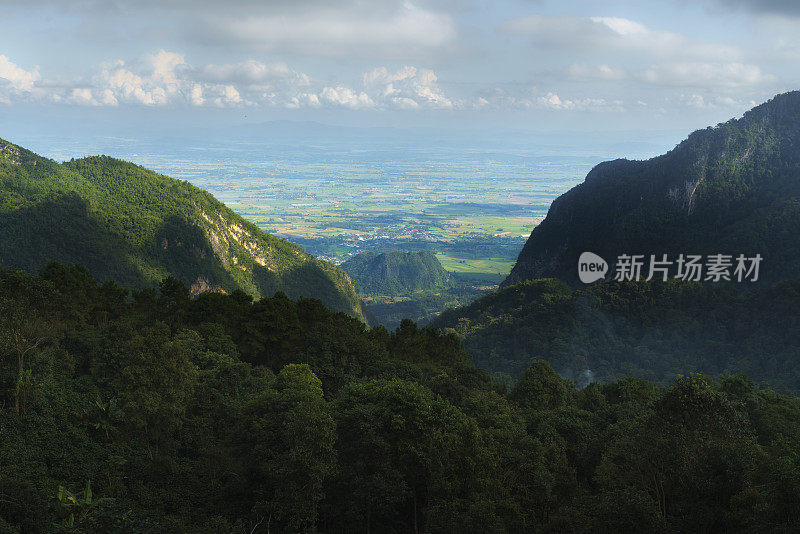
{"points": [[483, 266]]}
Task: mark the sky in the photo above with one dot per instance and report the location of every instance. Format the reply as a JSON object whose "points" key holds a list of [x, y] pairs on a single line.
{"points": [[538, 65]]}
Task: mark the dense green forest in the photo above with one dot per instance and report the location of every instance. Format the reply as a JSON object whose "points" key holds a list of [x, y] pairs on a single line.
{"points": [[653, 330], [152, 411], [136, 227], [732, 189], [396, 273]]}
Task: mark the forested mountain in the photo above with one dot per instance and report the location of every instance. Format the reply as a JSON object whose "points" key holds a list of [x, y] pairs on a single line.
{"points": [[134, 226], [389, 273], [653, 330], [161, 413], [732, 189]]}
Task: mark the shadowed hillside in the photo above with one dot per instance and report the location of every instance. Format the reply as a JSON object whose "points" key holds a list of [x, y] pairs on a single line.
{"points": [[132, 225]]}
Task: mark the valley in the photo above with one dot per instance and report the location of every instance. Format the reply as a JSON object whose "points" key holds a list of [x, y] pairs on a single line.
{"points": [[471, 202]]}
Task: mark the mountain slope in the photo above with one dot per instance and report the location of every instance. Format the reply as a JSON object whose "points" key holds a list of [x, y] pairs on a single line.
{"points": [[389, 273], [730, 189], [135, 226], [652, 330]]}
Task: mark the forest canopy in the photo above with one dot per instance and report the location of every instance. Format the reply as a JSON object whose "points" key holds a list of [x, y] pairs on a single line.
{"points": [[152, 411]]}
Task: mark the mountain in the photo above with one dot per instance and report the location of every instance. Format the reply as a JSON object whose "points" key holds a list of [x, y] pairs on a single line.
{"points": [[135, 226], [732, 189], [653, 330], [392, 273]]}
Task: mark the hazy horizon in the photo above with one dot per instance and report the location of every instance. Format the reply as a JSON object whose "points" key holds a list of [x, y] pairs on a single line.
{"points": [[574, 67]]}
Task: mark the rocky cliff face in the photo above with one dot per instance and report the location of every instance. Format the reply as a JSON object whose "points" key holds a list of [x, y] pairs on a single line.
{"points": [[734, 188]]}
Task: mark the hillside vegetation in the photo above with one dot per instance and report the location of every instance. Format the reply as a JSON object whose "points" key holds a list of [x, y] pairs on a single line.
{"points": [[162, 413], [652, 330], [134, 226], [396, 273]]}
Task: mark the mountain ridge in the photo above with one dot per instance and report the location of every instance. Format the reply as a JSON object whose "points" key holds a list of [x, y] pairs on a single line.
{"points": [[135, 226], [733, 188]]}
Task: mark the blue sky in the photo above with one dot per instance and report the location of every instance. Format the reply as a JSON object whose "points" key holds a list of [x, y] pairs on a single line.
{"points": [[580, 65]]}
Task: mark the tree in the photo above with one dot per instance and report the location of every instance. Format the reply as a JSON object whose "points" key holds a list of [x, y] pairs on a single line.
{"points": [[290, 436], [692, 455], [26, 325], [397, 441], [151, 373]]}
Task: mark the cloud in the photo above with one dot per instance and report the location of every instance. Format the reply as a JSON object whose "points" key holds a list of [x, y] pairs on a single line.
{"points": [[696, 74], [554, 102], [165, 78], [651, 56], [699, 101], [345, 97], [157, 80], [776, 7], [582, 72], [16, 76], [251, 72], [348, 29], [498, 98], [402, 30], [15, 81], [614, 34], [407, 88]]}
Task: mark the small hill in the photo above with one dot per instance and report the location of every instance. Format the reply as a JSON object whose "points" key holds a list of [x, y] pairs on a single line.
{"points": [[730, 189], [394, 273], [135, 226]]}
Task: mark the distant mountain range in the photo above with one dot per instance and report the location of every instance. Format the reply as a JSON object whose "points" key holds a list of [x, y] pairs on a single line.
{"points": [[136, 227], [731, 189]]}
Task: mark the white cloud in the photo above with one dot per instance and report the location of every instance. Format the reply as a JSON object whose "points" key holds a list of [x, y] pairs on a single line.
{"points": [[196, 95], [554, 102], [697, 74], [407, 88], [251, 72], [16, 82], [584, 73], [225, 95], [16, 76], [346, 97], [651, 56], [633, 35], [615, 34], [166, 79], [82, 96], [499, 98], [347, 29], [699, 101]]}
